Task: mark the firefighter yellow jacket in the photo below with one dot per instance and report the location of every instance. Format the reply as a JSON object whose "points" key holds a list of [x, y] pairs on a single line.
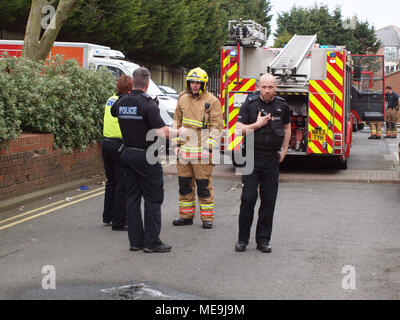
{"points": [[203, 116]]}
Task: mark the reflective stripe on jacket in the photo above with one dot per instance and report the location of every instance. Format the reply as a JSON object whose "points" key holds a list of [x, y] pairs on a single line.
{"points": [[205, 123], [111, 126]]}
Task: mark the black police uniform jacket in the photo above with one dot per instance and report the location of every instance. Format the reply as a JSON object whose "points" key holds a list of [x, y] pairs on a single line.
{"points": [[269, 138]]}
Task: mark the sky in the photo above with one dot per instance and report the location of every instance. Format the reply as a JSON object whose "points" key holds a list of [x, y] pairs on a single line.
{"points": [[379, 13]]}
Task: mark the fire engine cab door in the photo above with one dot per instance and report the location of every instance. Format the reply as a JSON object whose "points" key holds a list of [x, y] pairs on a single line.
{"points": [[321, 117]]}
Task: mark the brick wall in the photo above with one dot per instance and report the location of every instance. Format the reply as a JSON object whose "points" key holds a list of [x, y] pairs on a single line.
{"points": [[393, 80], [30, 163]]}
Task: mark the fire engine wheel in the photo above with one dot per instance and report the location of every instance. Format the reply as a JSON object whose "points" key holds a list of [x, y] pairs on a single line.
{"points": [[341, 163]]}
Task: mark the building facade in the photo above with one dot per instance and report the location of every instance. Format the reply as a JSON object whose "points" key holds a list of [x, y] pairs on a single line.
{"points": [[390, 38]]}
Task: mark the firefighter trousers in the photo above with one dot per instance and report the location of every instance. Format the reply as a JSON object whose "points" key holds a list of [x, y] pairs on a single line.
{"points": [[376, 128], [192, 175], [391, 122]]}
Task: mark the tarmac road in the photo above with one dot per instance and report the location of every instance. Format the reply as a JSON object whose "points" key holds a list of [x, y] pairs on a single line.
{"points": [[319, 229]]}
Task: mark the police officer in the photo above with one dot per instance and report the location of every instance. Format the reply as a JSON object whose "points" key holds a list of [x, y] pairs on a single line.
{"points": [[269, 117], [138, 114], [393, 101], [115, 196]]}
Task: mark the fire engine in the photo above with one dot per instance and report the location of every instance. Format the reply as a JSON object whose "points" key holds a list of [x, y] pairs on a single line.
{"points": [[314, 80]]}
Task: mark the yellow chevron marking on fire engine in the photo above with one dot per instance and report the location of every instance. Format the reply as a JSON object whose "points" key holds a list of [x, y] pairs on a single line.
{"points": [[325, 112], [327, 97], [321, 108], [231, 87], [338, 94], [232, 130], [231, 100], [225, 62], [233, 114], [232, 70], [321, 124], [234, 143], [317, 120], [339, 63], [248, 84], [334, 73], [313, 146]]}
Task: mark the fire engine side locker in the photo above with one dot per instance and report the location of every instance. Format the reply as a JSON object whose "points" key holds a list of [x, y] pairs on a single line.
{"points": [[233, 92], [327, 108]]}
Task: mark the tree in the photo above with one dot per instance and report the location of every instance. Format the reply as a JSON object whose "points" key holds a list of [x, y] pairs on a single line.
{"points": [[12, 13], [256, 10], [282, 39], [185, 33], [331, 29], [37, 46]]}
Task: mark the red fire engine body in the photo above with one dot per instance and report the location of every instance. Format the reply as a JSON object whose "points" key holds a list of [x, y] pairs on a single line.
{"points": [[314, 80]]}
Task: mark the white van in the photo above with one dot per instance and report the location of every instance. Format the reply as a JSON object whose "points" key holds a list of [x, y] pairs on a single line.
{"points": [[167, 104], [92, 56]]}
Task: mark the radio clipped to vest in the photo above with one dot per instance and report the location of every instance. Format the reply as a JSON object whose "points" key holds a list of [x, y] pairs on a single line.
{"points": [[270, 137]]}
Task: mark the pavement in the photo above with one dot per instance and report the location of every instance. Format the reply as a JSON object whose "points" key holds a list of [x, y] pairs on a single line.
{"points": [[320, 231], [323, 228], [371, 161]]}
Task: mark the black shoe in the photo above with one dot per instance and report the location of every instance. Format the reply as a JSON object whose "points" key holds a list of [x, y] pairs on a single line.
{"points": [[136, 248], [372, 137], [240, 246], [378, 137], [182, 222], [125, 228], [162, 247], [264, 247], [107, 224], [207, 225], [387, 137]]}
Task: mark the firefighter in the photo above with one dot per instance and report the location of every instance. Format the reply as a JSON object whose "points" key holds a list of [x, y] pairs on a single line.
{"points": [[137, 114], [269, 116], [376, 129], [114, 198], [393, 101], [200, 113]]}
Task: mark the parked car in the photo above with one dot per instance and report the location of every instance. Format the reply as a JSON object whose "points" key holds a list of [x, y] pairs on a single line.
{"points": [[169, 91]]}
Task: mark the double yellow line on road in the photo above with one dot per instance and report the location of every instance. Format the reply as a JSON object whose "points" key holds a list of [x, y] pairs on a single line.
{"points": [[62, 204]]}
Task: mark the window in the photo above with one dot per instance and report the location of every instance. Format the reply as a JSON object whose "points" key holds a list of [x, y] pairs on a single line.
{"points": [[116, 72], [391, 53]]}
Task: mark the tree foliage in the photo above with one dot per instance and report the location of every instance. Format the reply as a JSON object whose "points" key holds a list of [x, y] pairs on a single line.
{"points": [[330, 28], [184, 33], [55, 97], [43, 25]]}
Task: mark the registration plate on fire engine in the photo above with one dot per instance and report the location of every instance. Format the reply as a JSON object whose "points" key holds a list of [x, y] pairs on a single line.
{"points": [[318, 135]]}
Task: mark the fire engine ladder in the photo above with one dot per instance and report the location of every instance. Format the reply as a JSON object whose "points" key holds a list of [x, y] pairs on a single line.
{"points": [[289, 59]]}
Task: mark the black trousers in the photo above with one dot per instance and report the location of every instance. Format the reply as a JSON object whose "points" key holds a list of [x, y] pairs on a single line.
{"points": [[143, 180], [265, 176], [115, 193]]}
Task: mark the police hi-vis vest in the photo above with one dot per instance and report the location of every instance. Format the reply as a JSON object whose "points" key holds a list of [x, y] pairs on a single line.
{"points": [[111, 126]]}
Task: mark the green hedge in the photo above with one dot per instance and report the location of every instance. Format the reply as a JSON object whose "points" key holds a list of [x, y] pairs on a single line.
{"points": [[55, 97]]}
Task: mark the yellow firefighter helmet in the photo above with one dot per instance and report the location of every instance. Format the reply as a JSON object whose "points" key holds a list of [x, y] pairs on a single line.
{"points": [[197, 75]]}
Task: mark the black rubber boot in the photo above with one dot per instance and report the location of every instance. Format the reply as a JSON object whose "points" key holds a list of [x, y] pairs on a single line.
{"points": [[182, 222], [207, 225]]}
